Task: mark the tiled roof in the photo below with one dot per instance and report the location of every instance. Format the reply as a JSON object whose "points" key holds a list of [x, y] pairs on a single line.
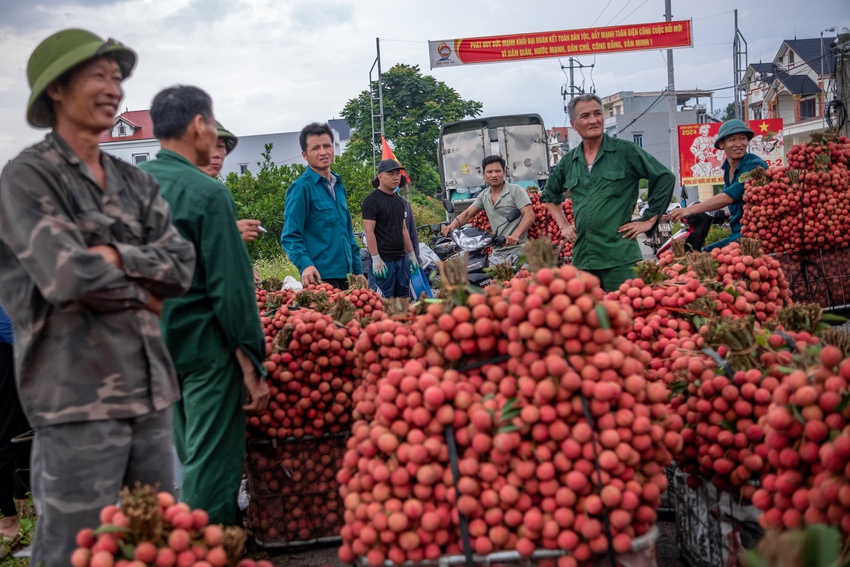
{"points": [[809, 51], [141, 119], [560, 131], [797, 84], [763, 68]]}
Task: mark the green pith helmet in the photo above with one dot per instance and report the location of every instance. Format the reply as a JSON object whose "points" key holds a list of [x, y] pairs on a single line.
{"points": [[60, 53], [230, 139], [731, 127]]}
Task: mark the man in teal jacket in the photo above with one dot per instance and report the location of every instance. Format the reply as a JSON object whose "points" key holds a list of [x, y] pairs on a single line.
{"points": [[317, 233], [733, 138], [213, 332]]}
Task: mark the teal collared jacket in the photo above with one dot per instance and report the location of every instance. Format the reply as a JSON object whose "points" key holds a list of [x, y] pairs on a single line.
{"points": [[317, 228]]}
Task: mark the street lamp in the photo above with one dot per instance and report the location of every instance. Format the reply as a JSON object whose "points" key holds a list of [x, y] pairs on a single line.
{"points": [[823, 79]]}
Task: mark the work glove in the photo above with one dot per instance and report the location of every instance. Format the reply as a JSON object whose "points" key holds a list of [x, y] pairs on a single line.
{"points": [[378, 267], [414, 263]]}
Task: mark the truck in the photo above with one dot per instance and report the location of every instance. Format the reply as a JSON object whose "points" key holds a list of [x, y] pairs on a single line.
{"points": [[520, 139]]}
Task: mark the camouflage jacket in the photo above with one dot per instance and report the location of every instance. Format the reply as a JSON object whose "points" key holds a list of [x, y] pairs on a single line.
{"points": [[87, 348]]}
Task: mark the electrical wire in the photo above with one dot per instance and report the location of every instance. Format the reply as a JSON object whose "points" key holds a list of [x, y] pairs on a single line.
{"points": [[712, 16], [632, 12], [618, 13], [600, 13], [639, 116]]}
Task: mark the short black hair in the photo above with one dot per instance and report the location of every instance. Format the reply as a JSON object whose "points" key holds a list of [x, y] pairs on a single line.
{"points": [[174, 108], [314, 129], [493, 159]]}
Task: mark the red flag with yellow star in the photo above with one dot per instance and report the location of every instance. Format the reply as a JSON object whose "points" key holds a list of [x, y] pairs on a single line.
{"points": [[387, 153]]}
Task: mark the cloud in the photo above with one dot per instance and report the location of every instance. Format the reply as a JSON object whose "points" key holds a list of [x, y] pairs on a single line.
{"points": [[204, 12], [20, 16]]}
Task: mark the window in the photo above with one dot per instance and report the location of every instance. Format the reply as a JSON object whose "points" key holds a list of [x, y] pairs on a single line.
{"points": [[243, 167], [139, 158], [790, 57], [807, 109], [638, 139], [122, 131]]}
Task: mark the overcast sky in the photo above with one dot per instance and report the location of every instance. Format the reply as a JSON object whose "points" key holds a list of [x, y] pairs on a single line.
{"points": [[275, 65]]}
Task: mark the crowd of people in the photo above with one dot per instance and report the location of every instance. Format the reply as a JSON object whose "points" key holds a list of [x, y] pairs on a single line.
{"points": [[131, 293]]}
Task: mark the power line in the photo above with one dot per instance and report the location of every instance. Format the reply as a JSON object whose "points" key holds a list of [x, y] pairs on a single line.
{"points": [[632, 12], [639, 116], [600, 13], [618, 13], [713, 16]]}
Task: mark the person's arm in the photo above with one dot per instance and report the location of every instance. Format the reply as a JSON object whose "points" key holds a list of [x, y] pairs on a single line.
{"points": [[52, 249], [408, 243], [713, 204], [248, 228], [526, 222], [461, 219], [660, 189], [165, 264], [369, 229], [411, 229], [230, 278], [295, 212], [356, 265]]}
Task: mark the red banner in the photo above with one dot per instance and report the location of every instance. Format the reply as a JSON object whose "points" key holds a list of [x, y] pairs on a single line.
{"points": [[700, 163], [589, 41]]}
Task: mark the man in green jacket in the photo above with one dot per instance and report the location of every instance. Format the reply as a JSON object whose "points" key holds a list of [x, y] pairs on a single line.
{"points": [[213, 332], [601, 176], [317, 232]]}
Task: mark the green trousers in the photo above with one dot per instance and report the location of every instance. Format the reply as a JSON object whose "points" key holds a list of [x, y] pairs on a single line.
{"points": [[611, 278], [209, 435]]}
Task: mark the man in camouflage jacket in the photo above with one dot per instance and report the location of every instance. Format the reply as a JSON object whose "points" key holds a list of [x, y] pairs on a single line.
{"points": [[87, 253]]}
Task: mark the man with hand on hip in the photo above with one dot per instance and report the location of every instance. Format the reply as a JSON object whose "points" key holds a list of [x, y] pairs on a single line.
{"points": [[387, 236]]}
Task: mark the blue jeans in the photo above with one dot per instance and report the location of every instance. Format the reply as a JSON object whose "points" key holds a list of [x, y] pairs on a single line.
{"points": [[397, 282]]}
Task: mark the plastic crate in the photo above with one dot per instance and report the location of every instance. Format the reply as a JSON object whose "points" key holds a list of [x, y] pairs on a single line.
{"points": [[642, 554], [293, 492], [710, 525], [819, 276]]}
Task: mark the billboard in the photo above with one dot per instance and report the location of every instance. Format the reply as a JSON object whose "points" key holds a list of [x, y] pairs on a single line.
{"points": [[565, 43], [700, 163]]}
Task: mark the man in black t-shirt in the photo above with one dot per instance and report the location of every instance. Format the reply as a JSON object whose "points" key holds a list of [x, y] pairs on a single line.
{"points": [[387, 237]]}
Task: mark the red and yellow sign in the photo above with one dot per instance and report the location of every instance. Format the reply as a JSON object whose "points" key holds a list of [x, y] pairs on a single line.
{"points": [[588, 41], [700, 163]]}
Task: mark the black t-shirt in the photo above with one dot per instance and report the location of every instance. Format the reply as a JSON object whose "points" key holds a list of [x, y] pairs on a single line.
{"points": [[388, 213]]}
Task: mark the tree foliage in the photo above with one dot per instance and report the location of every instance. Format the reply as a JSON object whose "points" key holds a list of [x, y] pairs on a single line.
{"points": [[415, 105], [262, 198]]}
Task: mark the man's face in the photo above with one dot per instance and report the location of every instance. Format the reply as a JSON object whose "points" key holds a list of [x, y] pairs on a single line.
{"points": [[588, 119], [90, 99], [320, 152], [206, 141], [389, 179], [216, 159], [494, 174], [735, 146]]}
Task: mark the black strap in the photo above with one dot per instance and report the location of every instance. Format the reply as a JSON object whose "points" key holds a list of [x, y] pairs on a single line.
{"points": [[464, 525], [480, 363], [272, 312], [792, 344], [722, 362]]}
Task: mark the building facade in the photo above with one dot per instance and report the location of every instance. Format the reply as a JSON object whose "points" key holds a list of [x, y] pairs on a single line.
{"points": [[794, 87], [131, 139]]}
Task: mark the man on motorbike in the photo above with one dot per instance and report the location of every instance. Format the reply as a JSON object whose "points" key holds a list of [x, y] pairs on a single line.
{"points": [[733, 138], [496, 201]]}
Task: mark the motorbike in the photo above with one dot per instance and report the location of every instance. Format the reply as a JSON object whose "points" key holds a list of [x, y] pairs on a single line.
{"points": [[694, 231], [473, 242], [662, 234], [427, 267]]}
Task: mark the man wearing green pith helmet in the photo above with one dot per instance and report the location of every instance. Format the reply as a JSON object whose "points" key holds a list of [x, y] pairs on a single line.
{"points": [[87, 255], [227, 140]]}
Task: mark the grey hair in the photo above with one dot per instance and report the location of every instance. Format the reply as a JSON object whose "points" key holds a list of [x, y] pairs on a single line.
{"points": [[587, 97]]}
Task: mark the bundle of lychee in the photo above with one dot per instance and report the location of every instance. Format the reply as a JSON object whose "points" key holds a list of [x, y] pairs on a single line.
{"points": [[551, 441], [312, 370], [806, 205], [151, 529], [807, 432], [386, 342]]}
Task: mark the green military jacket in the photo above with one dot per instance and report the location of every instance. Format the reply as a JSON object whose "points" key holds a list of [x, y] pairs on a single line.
{"points": [[87, 347], [604, 199], [219, 312]]}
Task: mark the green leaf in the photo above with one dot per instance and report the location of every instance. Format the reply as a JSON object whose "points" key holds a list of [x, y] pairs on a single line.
{"points": [[761, 340], [845, 401], [821, 546], [474, 289], [110, 529], [752, 559], [508, 405], [602, 314], [785, 369], [733, 292], [509, 428], [832, 317], [679, 386], [127, 550], [509, 415], [489, 396], [797, 414], [729, 425]]}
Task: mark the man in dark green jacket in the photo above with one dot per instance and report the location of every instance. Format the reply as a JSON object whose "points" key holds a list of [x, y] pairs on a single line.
{"points": [[601, 176], [317, 233], [213, 332]]}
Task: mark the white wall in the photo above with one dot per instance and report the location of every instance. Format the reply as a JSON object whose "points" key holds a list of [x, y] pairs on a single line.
{"points": [[126, 150]]}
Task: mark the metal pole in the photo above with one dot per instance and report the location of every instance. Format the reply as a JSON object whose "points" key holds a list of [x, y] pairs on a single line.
{"points": [[372, 116], [671, 102], [572, 81], [735, 70], [380, 86]]}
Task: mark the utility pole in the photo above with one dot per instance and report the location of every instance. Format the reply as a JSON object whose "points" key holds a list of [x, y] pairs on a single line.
{"points": [[739, 67], [671, 104], [380, 114], [572, 89]]}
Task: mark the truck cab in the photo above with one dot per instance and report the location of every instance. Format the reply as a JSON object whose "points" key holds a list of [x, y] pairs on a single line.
{"points": [[520, 139]]}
